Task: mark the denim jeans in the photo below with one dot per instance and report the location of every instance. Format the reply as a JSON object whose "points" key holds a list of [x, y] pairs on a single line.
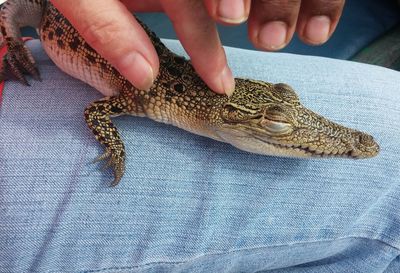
{"points": [[191, 204]]}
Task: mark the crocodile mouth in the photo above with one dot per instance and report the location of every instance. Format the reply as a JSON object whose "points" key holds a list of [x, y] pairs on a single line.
{"points": [[306, 151], [313, 153]]}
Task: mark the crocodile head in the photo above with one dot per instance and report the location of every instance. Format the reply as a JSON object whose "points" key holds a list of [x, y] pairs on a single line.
{"points": [[269, 119]]}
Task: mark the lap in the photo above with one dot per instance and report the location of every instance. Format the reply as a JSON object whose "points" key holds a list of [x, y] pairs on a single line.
{"points": [[188, 203]]}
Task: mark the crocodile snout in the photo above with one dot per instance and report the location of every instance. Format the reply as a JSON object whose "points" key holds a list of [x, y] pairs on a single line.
{"points": [[364, 145]]}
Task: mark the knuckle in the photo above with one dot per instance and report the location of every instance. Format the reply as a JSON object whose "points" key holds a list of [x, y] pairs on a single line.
{"points": [[325, 7], [279, 4], [285, 10], [100, 32]]}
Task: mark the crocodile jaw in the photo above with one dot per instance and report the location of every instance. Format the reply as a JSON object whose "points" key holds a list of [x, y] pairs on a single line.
{"points": [[331, 141], [266, 146], [251, 144]]}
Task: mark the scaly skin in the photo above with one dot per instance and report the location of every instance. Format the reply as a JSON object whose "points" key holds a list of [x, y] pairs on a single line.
{"points": [[259, 117]]}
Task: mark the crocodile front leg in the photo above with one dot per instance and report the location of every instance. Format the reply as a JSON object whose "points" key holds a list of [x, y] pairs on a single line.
{"points": [[98, 117]]}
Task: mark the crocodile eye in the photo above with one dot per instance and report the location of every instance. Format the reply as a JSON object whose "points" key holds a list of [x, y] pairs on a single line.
{"points": [[276, 127], [276, 113]]}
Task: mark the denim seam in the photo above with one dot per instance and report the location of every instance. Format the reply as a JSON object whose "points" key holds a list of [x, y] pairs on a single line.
{"points": [[151, 264], [372, 235]]}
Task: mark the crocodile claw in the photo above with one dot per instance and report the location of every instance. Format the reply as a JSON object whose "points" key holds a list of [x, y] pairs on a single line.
{"points": [[19, 61], [115, 158]]}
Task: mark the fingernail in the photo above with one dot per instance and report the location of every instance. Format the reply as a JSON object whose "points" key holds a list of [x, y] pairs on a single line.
{"points": [[317, 29], [227, 81], [272, 35], [137, 70], [232, 11]]}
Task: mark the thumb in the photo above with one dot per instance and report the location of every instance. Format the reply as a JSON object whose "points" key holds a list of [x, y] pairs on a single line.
{"points": [[113, 32]]}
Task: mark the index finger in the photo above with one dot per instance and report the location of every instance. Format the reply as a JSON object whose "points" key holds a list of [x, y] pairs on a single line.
{"points": [[198, 34]]}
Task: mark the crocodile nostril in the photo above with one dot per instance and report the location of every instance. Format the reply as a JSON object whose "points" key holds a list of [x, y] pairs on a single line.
{"points": [[364, 145], [365, 140]]}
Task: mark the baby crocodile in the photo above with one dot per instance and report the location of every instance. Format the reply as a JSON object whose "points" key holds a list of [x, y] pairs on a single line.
{"points": [[259, 117]]}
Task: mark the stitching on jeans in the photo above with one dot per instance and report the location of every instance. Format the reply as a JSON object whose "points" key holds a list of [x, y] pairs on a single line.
{"points": [[223, 253]]}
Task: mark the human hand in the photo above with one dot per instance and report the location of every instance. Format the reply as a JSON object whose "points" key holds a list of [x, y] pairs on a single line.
{"points": [[109, 27], [272, 23]]}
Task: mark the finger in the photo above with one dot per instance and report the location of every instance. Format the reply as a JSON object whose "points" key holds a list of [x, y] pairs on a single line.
{"points": [[199, 36], [115, 34], [272, 23], [228, 11], [318, 20]]}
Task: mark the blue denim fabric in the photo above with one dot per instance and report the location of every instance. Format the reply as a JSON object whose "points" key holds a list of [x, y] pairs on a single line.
{"points": [[192, 204]]}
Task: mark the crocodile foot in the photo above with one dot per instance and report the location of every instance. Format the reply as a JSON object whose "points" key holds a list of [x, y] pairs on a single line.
{"points": [[115, 158], [97, 116], [18, 61]]}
